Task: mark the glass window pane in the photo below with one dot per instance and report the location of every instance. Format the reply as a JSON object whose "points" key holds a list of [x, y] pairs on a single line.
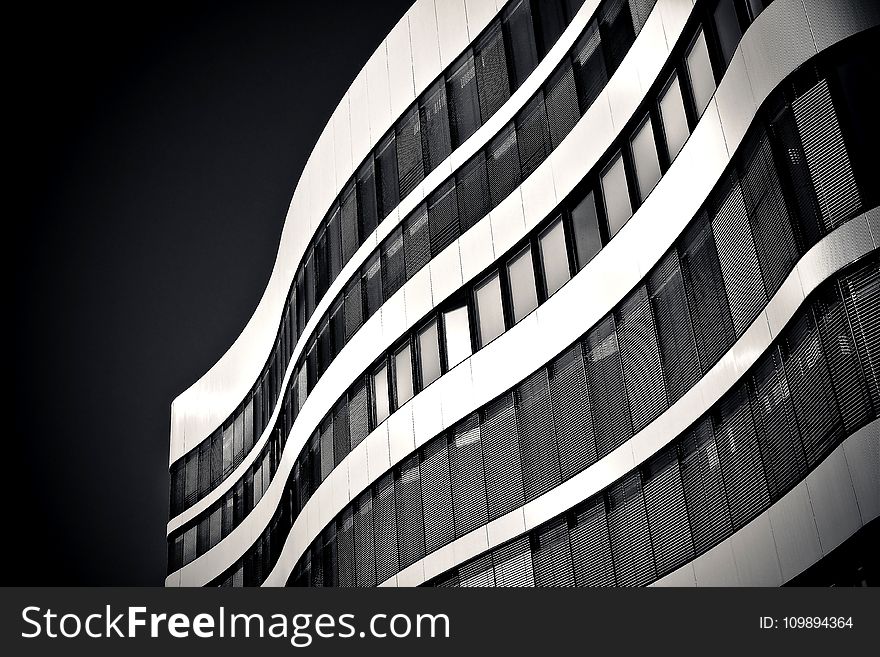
{"points": [[727, 26], [435, 122], [645, 158], [429, 354], [490, 312], [616, 196], [700, 73], [456, 327], [521, 273], [554, 259], [403, 375], [521, 41], [675, 127], [585, 222], [463, 99], [381, 405]]}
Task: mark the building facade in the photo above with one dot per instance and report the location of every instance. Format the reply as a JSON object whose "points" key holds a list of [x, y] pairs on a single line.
{"points": [[570, 292]]}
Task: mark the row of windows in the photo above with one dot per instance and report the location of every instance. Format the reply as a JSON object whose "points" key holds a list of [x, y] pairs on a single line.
{"points": [[477, 85], [532, 273], [807, 393], [499, 300], [617, 390], [798, 403]]}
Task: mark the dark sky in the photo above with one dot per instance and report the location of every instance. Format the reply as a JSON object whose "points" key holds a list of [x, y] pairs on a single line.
{"points": [[155, 149]]}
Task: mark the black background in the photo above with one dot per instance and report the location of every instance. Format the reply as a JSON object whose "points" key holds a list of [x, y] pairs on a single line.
{"points": [[155, 149]]}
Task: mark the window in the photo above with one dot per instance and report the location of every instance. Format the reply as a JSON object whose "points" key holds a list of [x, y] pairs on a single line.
{"points": [[585, 222], [589, 66], [520, 41], [491, 65], [615, 193], [728, 28], [410, 166], [463, 99], [381, 405], [350, 241], [675, 127], [372, 285], [551, 17], [700, 73], [403, 383], [489, 308], [554, 257], [456, 330], [367, 201], [644, 152], [429, 354], [521, 274], [435, 119], [386, 174], [502, 164]]}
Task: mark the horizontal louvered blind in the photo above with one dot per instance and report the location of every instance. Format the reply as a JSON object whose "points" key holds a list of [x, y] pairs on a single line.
{"points": [[385, 524], [630, 537], [678, 348], [589, 66], [768, 215], [591, 545], [468, 480], [354, 308], [738, 257], [367, 201], [861, 293], [641, 358], [850, 385], [393, 263], [349, 219], [502, 163], [512, 564], [827, 157], [492, 79], [551, 555], [562, 103], [435, 119], [477, 573], [359, 414], [443, 217], [704, 487], [387, 183], [532, 135], [811, 391], [410, 523], [345, 548], [341, 440], [464, 102], [776, 425], [408, 138], [537, 436], [667, 513], [472, 184], [416, 241], [364, 542], [504, 477], [437, 495], [327, 463], [611, 417], [707, 297], [372, 276], [571, 411], [334, 244]]}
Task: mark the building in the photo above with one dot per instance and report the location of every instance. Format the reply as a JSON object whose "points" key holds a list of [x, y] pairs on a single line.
{"points": [[570, 292]]}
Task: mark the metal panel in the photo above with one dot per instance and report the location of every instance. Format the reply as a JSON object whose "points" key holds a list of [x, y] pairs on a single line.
{"points": [[425, 43], [834, 501], [400, 70], [717, 567], [452, 29], [538, 195], [863, 459], [794, 531], [735, 101], [755, 554], [508, 223]]}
